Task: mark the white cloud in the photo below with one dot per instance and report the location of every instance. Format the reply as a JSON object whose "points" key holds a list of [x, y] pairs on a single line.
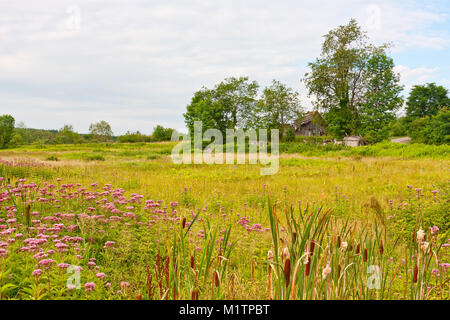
{"points": [[136, 63], [413, 76]]}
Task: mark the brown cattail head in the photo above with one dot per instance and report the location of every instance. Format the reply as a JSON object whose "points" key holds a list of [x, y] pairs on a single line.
{"points": [[287, 271], [365, 255], [358, 248], [416, 272], [139, 296], [381, 247], [339, 241], [194, 294], [28, 212], [192, 262], [216, 278], [311, 247], [308, 267], [183, 222], [294, 237]]}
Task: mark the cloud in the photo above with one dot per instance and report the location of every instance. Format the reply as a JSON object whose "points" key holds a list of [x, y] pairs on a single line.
{"points": [[414, 76], [136, 63]]}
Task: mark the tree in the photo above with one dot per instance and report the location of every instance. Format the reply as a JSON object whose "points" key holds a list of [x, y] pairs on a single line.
{"points": [[6, 130], [66, 135], [162, 134], [432, 130], [228, 106], [278, 107], [101, 131], [238, 97], [426, 100], [381, 100], [338, 78]]}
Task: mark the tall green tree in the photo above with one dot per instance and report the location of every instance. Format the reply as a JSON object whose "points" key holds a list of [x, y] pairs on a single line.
{"points": [[101, 131], [6, 130], [338, 78], [227, 106], [278, 107], [381, 100], [426, 100], [162, 134], [66, 135]]}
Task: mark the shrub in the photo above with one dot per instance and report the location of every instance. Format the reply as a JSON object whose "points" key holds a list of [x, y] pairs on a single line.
{"points": [[52, 158]]}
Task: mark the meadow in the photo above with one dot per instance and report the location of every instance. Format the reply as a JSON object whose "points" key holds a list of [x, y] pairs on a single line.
{"points": [[334, 223]]}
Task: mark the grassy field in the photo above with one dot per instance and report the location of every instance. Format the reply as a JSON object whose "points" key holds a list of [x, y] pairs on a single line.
{"points": [[333, 223]]}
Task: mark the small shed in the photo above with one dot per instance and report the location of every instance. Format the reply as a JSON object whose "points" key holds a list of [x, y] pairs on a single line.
{"points": [[354, 141], [311, 124]]}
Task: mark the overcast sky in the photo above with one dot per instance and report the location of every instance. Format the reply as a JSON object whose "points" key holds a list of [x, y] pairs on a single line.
{"points": [[136, 63]]}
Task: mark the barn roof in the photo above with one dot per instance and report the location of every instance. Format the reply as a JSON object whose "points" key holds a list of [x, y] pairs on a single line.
{"points": [[307, 118]]}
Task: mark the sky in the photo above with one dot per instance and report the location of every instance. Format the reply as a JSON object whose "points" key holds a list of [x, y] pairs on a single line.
{"points": [[137, 63]]}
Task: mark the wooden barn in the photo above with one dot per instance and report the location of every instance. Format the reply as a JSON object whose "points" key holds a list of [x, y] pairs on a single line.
{"points": [[311, 124]]}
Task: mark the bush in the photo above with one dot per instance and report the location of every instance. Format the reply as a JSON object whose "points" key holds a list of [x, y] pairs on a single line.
{"points": [[162, 134], [290, 135], [398, 127], [52, 158], [95, 157], [432, 130]]}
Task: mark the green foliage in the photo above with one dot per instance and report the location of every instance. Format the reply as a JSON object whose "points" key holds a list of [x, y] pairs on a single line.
{"points": [[231, 104], [278, 107], [94, 157], [382, 99], [382, 149], [290, 135], [162, 134], [340, 78], [134, 137], [398, 127], [101, 131], [52, 158], [432, 130], [66, 135], [339, 121], [6, 130], [426, 100]]}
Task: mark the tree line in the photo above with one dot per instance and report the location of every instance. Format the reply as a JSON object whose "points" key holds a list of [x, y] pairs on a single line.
{"points": [[12, 135], [354, 85]]}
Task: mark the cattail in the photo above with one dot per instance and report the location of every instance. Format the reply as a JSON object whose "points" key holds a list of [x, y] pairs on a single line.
{"points": [[192, 262], [339, 241], [253, 270], [294, 237], [381, 247], [311, 247], [365, 255], [287, 271], [269, 285], [358, 248], [194, 294], [416, 272], [308, 266], [183, 222], [139, 297], [216, 278], [27, 213]]}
